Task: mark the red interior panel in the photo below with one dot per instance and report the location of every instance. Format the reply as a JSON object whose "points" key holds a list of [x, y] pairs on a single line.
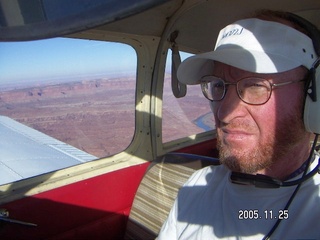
{"points": [[96, 208], [208, 148]]}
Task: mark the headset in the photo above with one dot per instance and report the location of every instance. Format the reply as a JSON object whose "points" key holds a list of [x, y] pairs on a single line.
{"points": [[311, 116]]}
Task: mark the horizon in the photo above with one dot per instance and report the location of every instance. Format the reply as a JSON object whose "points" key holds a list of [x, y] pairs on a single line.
{"points": [[56, 59]]}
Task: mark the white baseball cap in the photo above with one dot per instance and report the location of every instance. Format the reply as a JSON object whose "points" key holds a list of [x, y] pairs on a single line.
{"points": [[253, 45]]}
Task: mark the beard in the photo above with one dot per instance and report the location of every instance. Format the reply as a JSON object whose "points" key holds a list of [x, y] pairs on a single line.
{"points": [[288, 132]]}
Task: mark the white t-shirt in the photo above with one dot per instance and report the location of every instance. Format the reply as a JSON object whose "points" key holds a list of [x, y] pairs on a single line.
{"points": [[209, 206]]}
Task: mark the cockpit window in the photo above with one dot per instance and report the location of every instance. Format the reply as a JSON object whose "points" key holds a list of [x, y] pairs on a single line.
{"points": [[182, 117], [72, 97]]}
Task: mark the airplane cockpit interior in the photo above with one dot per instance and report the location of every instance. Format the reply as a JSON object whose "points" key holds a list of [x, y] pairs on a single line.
{"points": [[97, 133]]}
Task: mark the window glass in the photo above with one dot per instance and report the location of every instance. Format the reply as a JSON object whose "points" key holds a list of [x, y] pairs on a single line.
{"points": [[65, 96], [185, 116]]}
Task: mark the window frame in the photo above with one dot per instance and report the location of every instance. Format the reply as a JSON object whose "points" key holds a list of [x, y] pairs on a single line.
{"points": [[131, 156]]}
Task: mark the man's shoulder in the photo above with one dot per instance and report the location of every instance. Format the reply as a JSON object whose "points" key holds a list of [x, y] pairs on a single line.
{"points": [[207, 174]]}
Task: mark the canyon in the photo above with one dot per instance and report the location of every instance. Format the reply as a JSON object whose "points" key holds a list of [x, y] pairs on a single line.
{"points": [[96, 116]]}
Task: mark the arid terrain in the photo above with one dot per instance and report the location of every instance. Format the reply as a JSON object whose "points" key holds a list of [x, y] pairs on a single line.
{"points": [[96, 116], [89, 115]]}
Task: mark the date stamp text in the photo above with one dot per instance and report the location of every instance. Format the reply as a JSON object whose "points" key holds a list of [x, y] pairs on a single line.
{"points": [[255, 214]]}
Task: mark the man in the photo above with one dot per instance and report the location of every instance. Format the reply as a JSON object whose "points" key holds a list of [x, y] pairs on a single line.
{"points": [[256, 81]]}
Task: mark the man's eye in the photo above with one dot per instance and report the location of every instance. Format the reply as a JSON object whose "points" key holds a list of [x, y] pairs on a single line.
{"points": [[217, 85], [257, 85]]}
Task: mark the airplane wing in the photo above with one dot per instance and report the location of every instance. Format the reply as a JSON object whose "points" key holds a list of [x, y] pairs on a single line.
{"points": [[26, 152]]}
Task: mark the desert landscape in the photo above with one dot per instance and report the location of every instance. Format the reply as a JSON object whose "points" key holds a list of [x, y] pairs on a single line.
{"points": [[97, 116]]}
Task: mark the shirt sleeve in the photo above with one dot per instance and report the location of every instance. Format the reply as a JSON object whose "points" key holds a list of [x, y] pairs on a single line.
{"points": [[171, 228], [168, 230]]}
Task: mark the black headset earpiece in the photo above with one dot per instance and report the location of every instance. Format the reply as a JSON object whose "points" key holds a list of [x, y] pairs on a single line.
{"points": [[311, 115]]}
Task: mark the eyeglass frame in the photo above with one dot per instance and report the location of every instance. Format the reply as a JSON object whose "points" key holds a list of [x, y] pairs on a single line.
{"points": [[225, 84]]}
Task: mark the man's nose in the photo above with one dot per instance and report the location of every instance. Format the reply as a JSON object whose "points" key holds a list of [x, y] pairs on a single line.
{"points": [[230, 107]]}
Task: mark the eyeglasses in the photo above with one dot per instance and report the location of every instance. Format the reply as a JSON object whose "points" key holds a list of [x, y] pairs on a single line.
{"points": [[251, 90]]}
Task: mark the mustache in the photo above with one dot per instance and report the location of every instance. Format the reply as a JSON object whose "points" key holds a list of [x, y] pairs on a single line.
{"points": [[238, 125]]}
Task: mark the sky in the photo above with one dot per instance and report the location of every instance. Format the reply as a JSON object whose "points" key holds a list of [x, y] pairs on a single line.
{"points": [[52, 58], [63, 59]]}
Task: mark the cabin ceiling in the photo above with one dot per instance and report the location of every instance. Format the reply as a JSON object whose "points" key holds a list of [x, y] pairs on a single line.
{"points": [[210, 15], [150, 22]]}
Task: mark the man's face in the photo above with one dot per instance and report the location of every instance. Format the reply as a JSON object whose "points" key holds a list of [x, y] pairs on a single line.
{"points": [[252, 137]]}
